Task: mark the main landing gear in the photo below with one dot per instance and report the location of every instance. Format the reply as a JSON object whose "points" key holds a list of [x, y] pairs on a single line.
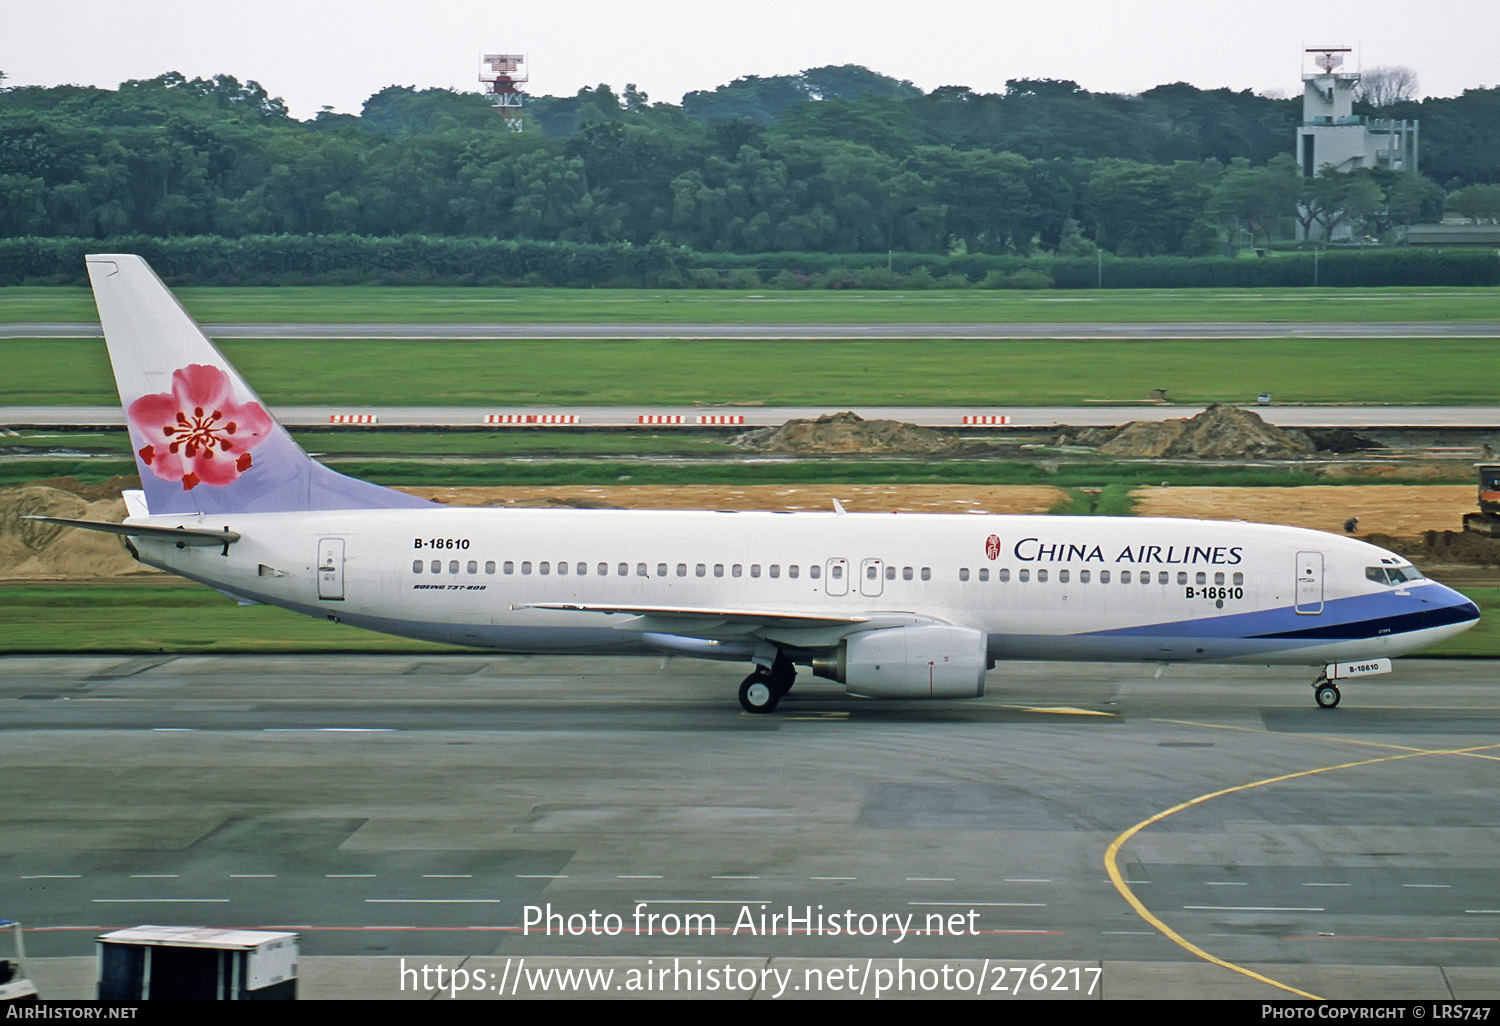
{"points": [[763, 690]]}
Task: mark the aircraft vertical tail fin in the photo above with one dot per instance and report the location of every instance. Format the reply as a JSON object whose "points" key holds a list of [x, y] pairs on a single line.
{"points": [[203, 440]]}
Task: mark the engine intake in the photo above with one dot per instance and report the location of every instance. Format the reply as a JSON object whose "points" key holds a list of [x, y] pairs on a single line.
{"points": [[930, 661]]}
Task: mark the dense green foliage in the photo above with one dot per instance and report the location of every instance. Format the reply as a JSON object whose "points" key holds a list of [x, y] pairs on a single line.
{"points": [[409, 259], [834, 160]]}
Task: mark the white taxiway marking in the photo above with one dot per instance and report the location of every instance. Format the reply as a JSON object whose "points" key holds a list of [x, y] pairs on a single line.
{"points": [[931, 879], [252, 876], [1226, 883], [1024, 880], [54, 876], [829, 878], [541, 876], [349, 876], [638, 876], [447, 876], [1328, 885], [730, 876], [153, 876], [1442, 886]]}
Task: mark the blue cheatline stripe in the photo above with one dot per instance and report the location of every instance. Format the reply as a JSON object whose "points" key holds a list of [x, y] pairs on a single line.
{"points": [[1378, 614]]}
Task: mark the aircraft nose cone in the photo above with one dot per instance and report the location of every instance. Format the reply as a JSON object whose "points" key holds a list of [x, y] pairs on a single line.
{"points": [[1455, 607]]}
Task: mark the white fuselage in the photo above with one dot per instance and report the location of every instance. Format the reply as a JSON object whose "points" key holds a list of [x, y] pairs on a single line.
{"points": [[1039, 587]]}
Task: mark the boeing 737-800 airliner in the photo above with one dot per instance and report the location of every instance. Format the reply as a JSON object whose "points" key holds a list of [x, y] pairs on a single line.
{"points": [[890, 605]]}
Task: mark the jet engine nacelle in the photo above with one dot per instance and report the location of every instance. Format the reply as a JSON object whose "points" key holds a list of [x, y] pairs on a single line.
{"points": [[929, 661]]}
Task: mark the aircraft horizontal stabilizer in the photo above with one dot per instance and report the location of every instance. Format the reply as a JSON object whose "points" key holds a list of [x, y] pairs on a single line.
{"points": [[181, 536]]}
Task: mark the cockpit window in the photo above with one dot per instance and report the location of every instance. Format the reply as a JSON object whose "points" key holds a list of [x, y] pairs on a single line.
{"points": [[1392, 574]]}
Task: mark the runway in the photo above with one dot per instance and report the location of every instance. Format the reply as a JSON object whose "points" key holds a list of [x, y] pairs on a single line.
{"points": [[1100, 330], [415, 806], [669, 417]]}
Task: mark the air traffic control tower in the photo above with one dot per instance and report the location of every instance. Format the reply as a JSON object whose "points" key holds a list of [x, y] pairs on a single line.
{"points": [[1331, 133]]}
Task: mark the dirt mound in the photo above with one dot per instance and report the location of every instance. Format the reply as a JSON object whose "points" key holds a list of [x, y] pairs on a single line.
{"points": [[846, 433], [1219, 432], [109, 489], [1450, 547], [34, 550]]}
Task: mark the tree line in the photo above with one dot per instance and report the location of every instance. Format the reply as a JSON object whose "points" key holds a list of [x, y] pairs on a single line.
{"points": [[834, 160]]}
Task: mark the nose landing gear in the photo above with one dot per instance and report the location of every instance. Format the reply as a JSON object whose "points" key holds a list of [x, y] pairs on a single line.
{"points": [[1326, 694]]}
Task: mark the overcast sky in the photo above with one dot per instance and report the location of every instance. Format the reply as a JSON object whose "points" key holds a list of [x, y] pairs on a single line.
{"points": [[313, 53]]}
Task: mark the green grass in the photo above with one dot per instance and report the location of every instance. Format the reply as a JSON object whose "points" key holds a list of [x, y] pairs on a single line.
{"points": [[1116, 479], [174, 617], [493, 375], [1481, 640], [450, 304]]}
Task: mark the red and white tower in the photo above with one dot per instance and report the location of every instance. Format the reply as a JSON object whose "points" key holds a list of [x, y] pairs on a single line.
{"points": [[504, 75]]}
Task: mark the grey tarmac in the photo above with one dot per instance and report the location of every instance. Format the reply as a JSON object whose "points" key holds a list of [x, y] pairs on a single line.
{"points": [[405, 806], [667, 417]]}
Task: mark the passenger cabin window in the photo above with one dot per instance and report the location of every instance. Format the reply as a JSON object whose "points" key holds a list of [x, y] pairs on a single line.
{"points": [[544, 568], [602, 569], [509, 566], [984, 573], [437, 566], [1182, 577], [1041, 576], [836, 571], [473, 566], [775, 569], [416, 566], [1103, 576], [1238, 580], [1218, 578], [738, 570], [1124, 576], [562, 568], [623, 569], [681, 569], [1004, 575], [963, 573], [453, 566], [815, 571], [1083, 577], [718, 569], [1024, 576], [661, 569], [525, 567], [489, 566], [581, 569], [1200, 578], [1162, 577], [906, 573], [701, 570], [1062, 577], [927, 573], [792, 571], [890, 573], [754, 569], [640, 570]]}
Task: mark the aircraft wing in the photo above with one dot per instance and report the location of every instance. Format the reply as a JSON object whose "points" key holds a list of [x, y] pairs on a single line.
{"points": [[706, 622]]}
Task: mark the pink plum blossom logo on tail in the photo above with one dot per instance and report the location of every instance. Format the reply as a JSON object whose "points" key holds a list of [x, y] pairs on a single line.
{"points": [[198, 433]]}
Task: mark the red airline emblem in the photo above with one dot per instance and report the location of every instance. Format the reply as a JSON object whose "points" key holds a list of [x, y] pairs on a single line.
{"points": [[992, 546]]}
